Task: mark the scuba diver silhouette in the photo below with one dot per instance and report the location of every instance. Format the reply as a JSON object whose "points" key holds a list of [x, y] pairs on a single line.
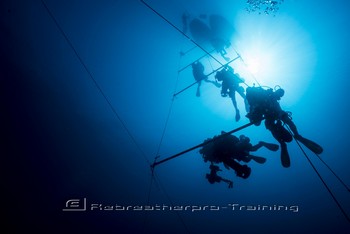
{"points": [[198, 74], [265, 104], [229, 149], [217, 32], [230, 85]]}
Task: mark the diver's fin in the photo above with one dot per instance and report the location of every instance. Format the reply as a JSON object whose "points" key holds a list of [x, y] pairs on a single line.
{"points": [[198, 93], [270, 146], [285, 159], [314, 147], [257, 159]]}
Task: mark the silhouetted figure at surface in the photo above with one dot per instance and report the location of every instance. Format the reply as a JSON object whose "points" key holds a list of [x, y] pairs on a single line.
{"points": [[265, 104], [222, 32], [198, 74], [215, 31], [230, 85], [229, 149], [214, 178], [184, 20]]}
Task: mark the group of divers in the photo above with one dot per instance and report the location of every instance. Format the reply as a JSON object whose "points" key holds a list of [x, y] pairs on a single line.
{"points": [[261, 104]]}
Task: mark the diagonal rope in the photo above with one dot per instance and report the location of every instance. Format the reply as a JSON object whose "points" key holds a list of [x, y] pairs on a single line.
{"points": [[172, 204], [163, 134], [179, 30], [189, 86], [154, 178], [246, 65], [204, 143], [340, 180], [188, 65], [105, 97], [319, 175], [212, 69], [187, 51], [94, 81]]}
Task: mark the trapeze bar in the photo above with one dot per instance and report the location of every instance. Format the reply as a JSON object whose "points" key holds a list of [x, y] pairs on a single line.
{"points": [[202, 144]]}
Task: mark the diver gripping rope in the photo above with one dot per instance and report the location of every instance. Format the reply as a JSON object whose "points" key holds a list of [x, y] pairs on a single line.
{"points": [[202, 144], [188, 65], [184, 89], [199, 46]]}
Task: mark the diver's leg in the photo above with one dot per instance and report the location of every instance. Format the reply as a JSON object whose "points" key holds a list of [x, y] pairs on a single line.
{"points": [[198, 94], [223, 53], [240, 90], [270, 125], [269, 146], [234, 102], [217, 84], [286, 119], [313, 146], [257, 159], [257, 146], [285, 159], [224, 57], [246, 159]]}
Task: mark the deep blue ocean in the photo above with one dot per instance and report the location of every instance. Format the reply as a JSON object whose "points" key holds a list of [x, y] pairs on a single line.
{"points": [[87, 104]]}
